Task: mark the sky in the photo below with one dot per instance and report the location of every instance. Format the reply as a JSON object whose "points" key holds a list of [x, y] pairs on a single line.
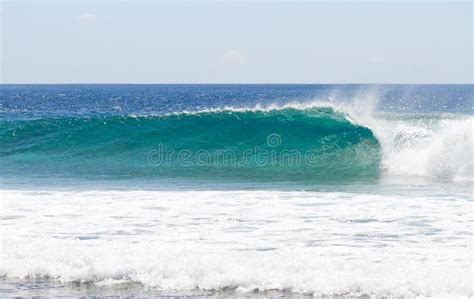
{"points": [[235, 42]]}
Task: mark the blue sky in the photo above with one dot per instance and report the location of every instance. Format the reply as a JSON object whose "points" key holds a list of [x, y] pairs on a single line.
{"points": [[236, 42]]}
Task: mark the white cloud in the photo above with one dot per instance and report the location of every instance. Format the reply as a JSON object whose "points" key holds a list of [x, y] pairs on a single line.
{"points": [[86, 17], [233, 57], [376, 59]]}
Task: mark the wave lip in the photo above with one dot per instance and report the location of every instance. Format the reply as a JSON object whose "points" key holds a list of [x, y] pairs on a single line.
{"points": [[287, 144]]}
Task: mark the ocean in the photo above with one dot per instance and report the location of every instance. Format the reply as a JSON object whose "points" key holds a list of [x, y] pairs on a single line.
{"points": [[237, 190]]}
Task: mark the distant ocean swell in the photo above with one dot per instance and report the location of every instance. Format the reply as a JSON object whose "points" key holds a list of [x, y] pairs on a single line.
{"points": [[294, 143]]}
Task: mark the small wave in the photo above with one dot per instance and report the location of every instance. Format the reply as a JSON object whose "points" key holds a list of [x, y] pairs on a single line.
{"points": [[196, 267]]}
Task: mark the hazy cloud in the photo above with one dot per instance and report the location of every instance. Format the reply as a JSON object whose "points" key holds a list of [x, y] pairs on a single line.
{"points": [[86, 17], [233, 57]]}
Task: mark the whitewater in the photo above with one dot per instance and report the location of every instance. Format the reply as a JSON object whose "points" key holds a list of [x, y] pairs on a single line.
{"points": [[376, 202], [321, 243]]}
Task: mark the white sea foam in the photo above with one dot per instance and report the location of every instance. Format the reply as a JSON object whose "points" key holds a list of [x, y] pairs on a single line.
{"points": [[438, 146], [443, 151], [309, 242]]}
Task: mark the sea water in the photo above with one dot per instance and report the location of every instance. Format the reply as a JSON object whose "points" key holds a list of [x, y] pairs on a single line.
{"points": [[237, 190]]}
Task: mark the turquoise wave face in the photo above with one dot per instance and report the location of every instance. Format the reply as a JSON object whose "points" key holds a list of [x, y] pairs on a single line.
{"points": [[288, 144]]}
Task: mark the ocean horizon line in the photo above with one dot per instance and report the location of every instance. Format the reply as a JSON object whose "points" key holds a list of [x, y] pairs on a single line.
{"points": [[235, 83]]}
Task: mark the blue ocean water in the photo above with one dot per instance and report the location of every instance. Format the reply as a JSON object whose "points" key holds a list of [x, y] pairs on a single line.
{"points": [[326, 190], [36, 101], [212, 133]]}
